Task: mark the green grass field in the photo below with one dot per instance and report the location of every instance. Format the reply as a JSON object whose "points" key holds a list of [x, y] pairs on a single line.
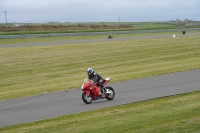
{"points": [[33, 70]]}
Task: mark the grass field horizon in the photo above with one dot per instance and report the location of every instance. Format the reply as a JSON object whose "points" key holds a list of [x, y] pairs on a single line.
{"points": [[45, 28]]}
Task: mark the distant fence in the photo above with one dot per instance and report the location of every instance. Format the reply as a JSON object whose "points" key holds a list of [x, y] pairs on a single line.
{"points": [[93, 33]]}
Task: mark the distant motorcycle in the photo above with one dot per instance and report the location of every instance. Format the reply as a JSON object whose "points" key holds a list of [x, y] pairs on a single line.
{"points": [[184, 32], [110, 37], [92, 92]]}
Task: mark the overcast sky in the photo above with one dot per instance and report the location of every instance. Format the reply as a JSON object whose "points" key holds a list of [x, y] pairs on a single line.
{"points": [[37, 11]]}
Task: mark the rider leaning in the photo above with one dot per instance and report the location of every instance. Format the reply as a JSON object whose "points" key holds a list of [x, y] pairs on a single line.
{"points": [[96, 78]]}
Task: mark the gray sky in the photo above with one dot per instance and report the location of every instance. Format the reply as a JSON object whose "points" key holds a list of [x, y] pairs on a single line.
{"points": [[98, 10]]}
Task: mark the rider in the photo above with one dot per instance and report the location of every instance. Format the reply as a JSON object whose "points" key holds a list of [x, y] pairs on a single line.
{"points": [[110, 35], [183, 31], [96, 78]]}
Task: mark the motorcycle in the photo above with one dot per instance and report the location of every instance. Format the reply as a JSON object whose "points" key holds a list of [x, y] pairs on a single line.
{"points": [[110, 37], [92, 92]]}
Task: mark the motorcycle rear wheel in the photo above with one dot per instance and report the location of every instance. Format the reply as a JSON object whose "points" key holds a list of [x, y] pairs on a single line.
{"points": [[111, 95], [87, 99]]}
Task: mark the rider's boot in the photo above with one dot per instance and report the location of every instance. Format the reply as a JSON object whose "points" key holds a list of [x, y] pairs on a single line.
{"points": [[103, 90]]}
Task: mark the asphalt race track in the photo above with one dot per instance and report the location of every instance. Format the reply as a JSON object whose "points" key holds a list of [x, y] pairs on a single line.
{"points": [[94, 40], [44, 106]]}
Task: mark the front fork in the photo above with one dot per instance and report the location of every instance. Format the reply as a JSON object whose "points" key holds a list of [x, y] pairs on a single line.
{"points": [[87, 93]]}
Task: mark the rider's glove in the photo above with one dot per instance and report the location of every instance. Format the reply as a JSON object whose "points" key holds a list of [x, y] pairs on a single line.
{"points": [[94, 83]]}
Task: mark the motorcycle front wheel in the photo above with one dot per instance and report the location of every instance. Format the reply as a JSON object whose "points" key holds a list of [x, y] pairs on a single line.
{"points": [[86, 99]]}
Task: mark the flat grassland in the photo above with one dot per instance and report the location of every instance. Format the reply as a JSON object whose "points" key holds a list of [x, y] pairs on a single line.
{"points": [[33, 70], [43, 28]]}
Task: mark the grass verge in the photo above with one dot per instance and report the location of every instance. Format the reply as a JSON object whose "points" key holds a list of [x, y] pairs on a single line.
{"points": [[177, 114], [33, 70]]}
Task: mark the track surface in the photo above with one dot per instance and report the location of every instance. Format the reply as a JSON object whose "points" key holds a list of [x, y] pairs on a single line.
{"points": [[44, 106], [94, 40]]}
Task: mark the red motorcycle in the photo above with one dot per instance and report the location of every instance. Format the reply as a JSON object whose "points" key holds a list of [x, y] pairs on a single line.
{"points": [[92, 92]]}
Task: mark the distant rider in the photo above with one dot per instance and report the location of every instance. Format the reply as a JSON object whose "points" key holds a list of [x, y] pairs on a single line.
{"points": [[183, 31], [96, 78], [110, 35]]}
